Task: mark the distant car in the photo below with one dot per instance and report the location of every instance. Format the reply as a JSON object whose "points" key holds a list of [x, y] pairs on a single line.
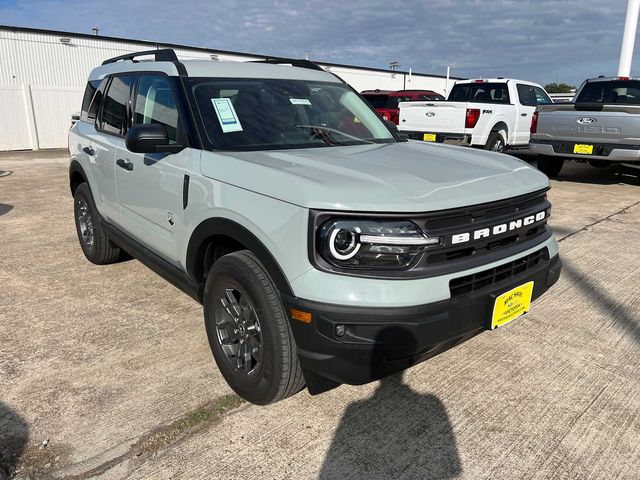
{"points": [[386, 102], [494, 114]]}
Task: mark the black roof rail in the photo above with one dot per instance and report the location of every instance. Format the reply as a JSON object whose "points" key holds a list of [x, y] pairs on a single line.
{"points": [[302, 63], [161, 55]]}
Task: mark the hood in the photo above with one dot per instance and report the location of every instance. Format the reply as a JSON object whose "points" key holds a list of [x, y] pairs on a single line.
{"points": [[397, 177]]}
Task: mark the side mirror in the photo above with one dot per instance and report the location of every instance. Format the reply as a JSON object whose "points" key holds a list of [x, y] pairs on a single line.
{"points": [[150, 138]]}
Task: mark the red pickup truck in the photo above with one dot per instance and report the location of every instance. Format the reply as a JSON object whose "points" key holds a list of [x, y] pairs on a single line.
{"points": [[386, 102]]}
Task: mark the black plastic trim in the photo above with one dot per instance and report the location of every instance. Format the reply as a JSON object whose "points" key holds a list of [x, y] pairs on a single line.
{"points": [[231, 229], [160, 55], [185, 191], [76, 167], [379, 341]]}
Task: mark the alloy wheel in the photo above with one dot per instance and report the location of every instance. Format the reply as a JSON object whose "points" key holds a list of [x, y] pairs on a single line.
{"points": [[238, 330]]}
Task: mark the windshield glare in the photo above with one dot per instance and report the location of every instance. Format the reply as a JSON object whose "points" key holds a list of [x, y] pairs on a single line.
{"points": [[252, 114]]}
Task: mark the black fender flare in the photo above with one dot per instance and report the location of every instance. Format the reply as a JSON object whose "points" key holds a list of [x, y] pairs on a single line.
{"points": [[76, 168], [232, 229]]}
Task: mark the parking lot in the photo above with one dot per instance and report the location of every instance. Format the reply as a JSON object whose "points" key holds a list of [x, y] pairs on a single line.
{"points": [[106, 371]]}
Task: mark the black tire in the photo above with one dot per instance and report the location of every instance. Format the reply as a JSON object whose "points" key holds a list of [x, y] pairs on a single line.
{"points": [[496, 143], [94, 242], [550, 166], [272, 372]]}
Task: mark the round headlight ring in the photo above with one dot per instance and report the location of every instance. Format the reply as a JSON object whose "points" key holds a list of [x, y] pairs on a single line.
{"points": [[343, 253]]}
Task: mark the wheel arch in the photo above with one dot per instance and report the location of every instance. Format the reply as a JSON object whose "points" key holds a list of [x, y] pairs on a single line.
{"points": [[77, 176], [500, 126], [214, 230]]}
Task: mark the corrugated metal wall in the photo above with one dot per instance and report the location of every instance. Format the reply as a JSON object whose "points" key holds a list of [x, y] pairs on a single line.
{"points": [[42, 80]]}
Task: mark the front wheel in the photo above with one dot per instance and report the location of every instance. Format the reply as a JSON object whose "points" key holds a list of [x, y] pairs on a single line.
{"points": [[550, 166], [496, 143], [249, 332]]}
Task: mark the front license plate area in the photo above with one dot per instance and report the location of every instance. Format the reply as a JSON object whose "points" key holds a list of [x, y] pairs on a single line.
{"points": [[512, 304], [429, 137], [583, 149]]}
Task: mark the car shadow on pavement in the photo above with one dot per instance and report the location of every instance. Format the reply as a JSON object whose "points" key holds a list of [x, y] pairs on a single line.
{"points": [[14, 434], [5, 208], [396, 433], [626, 321]]}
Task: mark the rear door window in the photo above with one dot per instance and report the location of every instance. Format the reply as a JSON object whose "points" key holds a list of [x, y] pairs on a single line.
{"points": [[114, 116], [531, 96]]}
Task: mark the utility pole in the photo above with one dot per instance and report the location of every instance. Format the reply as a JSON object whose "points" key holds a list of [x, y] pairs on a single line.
{"points": [[628, 38]]}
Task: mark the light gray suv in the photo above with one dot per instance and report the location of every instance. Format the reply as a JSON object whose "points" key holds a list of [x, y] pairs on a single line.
{"points": [[324, 248]]}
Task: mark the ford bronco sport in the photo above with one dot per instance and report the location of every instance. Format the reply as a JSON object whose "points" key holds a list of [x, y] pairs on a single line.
{"points": [[323, 247]]}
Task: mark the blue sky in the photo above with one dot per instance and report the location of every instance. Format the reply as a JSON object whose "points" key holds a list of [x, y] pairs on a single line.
{"points": [[567, 40]]}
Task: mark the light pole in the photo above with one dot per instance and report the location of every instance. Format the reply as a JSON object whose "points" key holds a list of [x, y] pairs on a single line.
{"points": [[628, 38]]}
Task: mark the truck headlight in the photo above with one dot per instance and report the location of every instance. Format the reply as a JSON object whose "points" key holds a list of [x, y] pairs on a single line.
{"points": [[372, 244]]}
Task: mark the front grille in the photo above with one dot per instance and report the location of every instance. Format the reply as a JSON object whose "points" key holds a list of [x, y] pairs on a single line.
{"points": [[484, 216], [486, 278]]}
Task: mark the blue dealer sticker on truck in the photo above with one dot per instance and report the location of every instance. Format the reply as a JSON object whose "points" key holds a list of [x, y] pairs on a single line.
{"points": [[229, 121]]}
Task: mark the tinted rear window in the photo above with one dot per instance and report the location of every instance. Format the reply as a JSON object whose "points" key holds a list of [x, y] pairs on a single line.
{"points": [[380, 101], [480, 93], [613, 91], [530, 95], [114, 111]]}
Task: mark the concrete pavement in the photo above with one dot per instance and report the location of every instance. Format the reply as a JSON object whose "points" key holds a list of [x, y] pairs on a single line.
{"points": [[105, 372]]}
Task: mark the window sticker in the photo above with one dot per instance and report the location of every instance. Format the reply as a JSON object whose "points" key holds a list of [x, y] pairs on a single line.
{"points": [[300, 101], [227, 116]]}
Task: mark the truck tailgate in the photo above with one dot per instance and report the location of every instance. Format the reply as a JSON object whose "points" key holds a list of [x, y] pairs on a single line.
{"points": [[435, 117], [597, 124]]}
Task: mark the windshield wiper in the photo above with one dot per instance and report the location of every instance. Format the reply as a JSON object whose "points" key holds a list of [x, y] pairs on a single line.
{"points": [[323, 128]]}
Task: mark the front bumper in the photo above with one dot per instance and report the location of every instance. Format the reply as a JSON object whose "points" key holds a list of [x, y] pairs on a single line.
{"points": [[379, 341]]}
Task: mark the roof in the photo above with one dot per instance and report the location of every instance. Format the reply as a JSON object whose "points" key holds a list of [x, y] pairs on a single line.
{"points": [[156, 44], [496, 80], [397, 92], [210, 68]]}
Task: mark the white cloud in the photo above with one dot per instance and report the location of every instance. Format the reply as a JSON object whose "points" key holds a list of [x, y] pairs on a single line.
{"points": [[538, 40]]}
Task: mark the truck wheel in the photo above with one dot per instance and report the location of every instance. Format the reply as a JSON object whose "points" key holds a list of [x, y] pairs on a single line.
{"points": [[496, 143], [94, 242], [249, 332], [550, 166]]}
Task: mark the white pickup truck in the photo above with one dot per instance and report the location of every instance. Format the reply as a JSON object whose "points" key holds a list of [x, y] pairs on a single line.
{"points": [[494, 114]]}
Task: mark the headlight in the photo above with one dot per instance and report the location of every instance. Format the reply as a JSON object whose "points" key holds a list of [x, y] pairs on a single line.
{"points": [[372, 244]]}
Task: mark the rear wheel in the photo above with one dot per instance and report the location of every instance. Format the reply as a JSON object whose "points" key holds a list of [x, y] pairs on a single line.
{"points": [[249, 332], [550, 166], [496, 143], [94, 242]]}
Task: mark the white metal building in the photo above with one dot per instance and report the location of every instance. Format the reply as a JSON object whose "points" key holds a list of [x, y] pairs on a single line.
{"points": [[43, 74]]}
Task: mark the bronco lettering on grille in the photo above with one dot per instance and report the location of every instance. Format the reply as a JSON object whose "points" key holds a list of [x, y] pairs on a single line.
{"points": [[498, 229]]}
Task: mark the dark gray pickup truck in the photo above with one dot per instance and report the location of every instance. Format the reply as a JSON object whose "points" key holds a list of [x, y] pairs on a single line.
{"points": [[601, 126]]}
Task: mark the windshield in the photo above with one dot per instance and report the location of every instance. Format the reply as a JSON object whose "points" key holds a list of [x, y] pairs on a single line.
{"points": [[257, 114], [612, 91]]}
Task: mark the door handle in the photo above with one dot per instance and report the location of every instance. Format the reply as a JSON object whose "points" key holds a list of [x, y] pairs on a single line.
{"points": [[126, 164], [523, 114], [89, 151]]}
